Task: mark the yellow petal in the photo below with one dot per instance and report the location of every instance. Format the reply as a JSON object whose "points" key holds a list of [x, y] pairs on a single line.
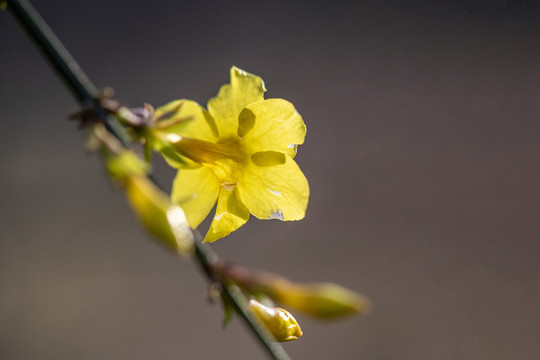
{"points": [[244, 89], [230, 215], [193, 120], [196, 191], [271, 124], [278, 191]]}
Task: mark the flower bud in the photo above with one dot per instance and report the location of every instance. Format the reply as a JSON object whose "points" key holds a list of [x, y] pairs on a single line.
{"points": [[151, 205], [141, 116], [279, 322], [320, 300], [155, 211]]}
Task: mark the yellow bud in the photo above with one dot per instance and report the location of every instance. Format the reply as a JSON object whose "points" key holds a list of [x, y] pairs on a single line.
{"points": [[154, 209], [151, 205], [125, 164], [279, 322], [320, 300]]}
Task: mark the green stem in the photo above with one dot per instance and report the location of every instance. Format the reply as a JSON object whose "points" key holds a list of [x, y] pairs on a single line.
{"points": [[87, 94], [207, 258], [63, 63]]}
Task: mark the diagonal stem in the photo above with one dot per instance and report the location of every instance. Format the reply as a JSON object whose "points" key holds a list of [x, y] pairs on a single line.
{"points": [[63, 63], [236, 298], [88, 96]]}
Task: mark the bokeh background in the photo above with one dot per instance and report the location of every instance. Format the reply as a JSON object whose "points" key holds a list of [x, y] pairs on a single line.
{"points": [[422, 154]]}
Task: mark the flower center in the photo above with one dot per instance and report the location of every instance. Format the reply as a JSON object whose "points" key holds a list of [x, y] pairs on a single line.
{"points": [[225, 158]]}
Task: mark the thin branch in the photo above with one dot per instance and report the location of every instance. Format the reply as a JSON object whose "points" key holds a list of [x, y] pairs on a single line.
{"points": [[87, 94], [63, 63], [236, 298]]}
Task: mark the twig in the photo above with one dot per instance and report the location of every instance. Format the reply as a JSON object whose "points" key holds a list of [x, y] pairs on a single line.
{"points": [[63, 63], [236, 298], [88, 96]]}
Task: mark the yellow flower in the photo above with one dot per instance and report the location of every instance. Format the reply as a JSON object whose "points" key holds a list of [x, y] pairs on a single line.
{"points": [[239, 153]]}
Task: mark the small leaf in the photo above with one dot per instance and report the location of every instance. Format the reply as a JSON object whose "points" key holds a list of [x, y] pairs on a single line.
{"points": [[228, 313], [148, 150]]}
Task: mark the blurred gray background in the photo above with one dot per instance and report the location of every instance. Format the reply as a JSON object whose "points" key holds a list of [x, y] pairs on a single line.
{"points": [[422, 155]]}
